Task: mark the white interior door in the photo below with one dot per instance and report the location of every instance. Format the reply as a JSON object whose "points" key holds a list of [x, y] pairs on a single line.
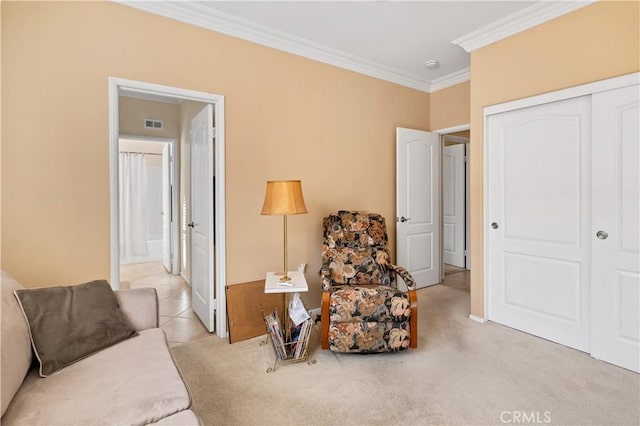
{"points": [[418, 204], [453, 205], [201, 225], [166, 208], [538, 223], [615, 231]]}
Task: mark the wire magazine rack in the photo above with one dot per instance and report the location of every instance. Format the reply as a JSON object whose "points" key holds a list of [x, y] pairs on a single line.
{"points": [[290, 343]]}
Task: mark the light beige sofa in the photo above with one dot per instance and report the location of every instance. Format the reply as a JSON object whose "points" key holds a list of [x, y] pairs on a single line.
{"points": [[134, 382]]}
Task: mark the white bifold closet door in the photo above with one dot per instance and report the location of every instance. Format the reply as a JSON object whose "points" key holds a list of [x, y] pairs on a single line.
{"points": [[539, 220], [615, 225], [562, 224]]}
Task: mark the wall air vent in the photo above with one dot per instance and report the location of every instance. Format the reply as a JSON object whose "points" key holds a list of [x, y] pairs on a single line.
{"points": [[153, 124]]}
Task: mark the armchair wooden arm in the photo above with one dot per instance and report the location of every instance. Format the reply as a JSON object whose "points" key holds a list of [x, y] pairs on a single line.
{"points": [[413, 325], [324, 312]]}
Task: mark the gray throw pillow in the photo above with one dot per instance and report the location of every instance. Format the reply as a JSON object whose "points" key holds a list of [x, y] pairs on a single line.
{"points": [[67, 324]]}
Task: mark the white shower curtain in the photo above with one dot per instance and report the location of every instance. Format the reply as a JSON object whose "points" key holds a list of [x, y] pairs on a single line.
{"points": [[133, 184]]}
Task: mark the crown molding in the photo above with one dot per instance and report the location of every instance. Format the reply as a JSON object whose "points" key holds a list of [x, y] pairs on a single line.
{"points": [[212, 19], [215, 20], [516, 22], [450, 80]]}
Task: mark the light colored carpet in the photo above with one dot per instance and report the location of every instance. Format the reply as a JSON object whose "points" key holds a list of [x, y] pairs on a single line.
{"points": [[462, 373]]}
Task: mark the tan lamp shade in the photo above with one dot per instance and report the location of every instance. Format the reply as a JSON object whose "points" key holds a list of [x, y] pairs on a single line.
{"points": [[283, 197]]}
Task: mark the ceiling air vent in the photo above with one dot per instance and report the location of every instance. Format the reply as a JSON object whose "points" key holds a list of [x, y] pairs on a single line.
{"points": [[153, 124]]}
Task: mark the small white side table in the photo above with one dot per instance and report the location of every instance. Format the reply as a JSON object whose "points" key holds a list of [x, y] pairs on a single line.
{"points": [[297, 284], [272, 283]]}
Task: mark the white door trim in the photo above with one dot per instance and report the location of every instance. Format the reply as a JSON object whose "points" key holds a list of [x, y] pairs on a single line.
{"points": [[458, 139], [218, 242], [559, 95], [467, 207], [571, 92], [453, 129]]}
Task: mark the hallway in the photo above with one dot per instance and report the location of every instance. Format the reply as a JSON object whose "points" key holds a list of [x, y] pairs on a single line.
{"points": [[458, 278], [177, 319]]}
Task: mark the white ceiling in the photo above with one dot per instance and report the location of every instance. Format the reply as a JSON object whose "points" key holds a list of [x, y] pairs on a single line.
{"points": [[385, 39], [398, 35]]}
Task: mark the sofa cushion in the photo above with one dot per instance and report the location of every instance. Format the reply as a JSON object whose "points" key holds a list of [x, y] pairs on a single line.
{"points": [[134, 382], [68, 323], [16, 354]]}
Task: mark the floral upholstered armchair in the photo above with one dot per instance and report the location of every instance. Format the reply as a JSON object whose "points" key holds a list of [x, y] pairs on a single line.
{"points": [[363, 310]]}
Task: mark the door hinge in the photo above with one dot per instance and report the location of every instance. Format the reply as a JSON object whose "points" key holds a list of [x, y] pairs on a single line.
{"points": [[466, 253], [466, 158]]}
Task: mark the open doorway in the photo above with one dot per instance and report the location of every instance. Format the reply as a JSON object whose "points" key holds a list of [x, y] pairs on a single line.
{"points": [[455, 200], [148, 207], [175, 208], [456, 254]]}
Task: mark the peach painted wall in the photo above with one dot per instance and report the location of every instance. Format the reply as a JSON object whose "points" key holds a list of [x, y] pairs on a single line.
{"points": [[450, 106], [596, 42], [287, 117]]}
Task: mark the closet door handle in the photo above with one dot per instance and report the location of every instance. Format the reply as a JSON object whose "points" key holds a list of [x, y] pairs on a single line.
{"points": [[602, 235], [191, 225]]}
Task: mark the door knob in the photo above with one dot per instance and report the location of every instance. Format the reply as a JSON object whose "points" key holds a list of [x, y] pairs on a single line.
{"points": [[494, 225], [404, 219], [602, 235], [191, 225]]}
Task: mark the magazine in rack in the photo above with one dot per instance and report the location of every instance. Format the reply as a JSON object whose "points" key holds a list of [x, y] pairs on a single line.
{"points": [[291, 346]]}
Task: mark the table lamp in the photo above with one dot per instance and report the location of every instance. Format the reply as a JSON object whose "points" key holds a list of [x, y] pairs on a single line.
{"points": [[284, 197]]}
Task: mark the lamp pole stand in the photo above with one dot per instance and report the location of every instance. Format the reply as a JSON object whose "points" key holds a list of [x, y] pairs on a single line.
{"points": [[285, 277]]}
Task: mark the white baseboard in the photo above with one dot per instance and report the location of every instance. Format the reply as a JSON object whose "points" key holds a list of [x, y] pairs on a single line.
{"points": [[185, 279], [313, 312], [477, 319]]}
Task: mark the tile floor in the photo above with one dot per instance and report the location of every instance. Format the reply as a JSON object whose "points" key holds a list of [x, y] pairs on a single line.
{"points": [[177, 319]]}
